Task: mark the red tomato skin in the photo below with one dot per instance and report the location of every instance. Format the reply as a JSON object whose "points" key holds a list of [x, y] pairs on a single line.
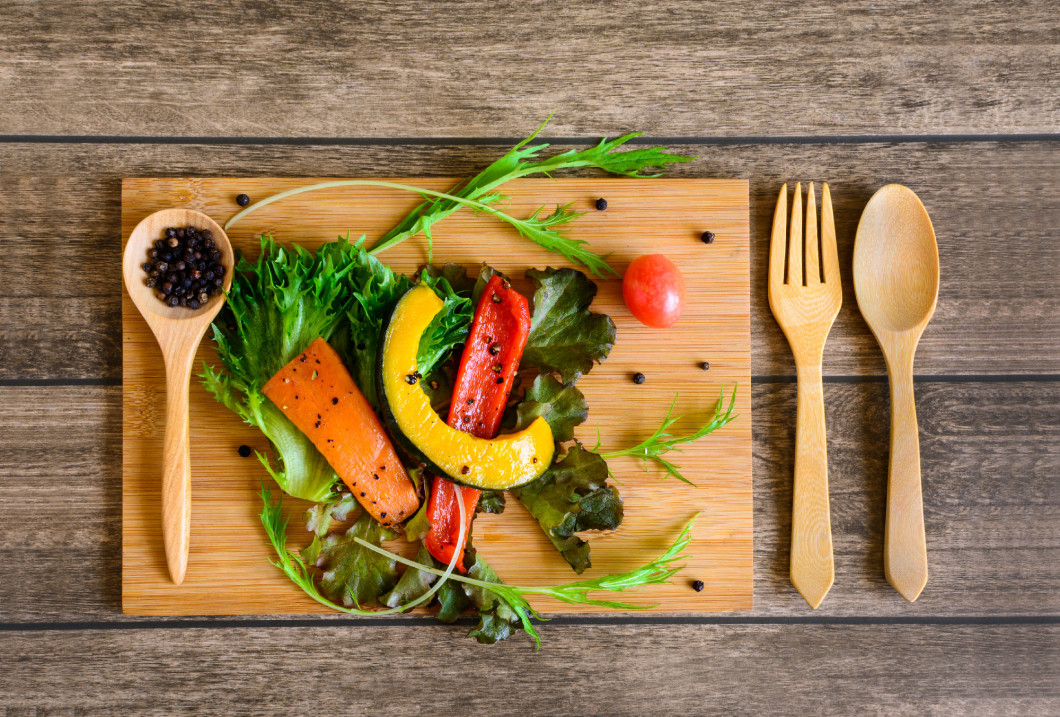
{"points": [[654, 291]]}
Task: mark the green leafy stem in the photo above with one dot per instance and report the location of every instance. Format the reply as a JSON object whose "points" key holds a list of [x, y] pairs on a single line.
{"points": [[661, 442], [541, 230]]}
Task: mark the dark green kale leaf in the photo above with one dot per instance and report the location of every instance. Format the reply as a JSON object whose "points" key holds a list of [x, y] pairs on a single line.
{"points": [[565, 337], [563, 407], [571, 497], [350, 573]]}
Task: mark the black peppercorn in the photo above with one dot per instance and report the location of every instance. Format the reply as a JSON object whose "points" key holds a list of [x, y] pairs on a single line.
{"points": [[244, 451], [698, 585], [242, 200], [705, 366], [173, 301], [707, 237], [638, 378], [496, 299], [495, 349], [601, 204], [203, 297], [173, 242], [193, 304], [171, 232]]}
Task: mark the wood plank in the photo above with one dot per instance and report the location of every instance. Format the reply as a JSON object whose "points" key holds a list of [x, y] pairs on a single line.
{"points": [[999, 304], [932, 669], [990, 456], [643, 216], [382, 69]]}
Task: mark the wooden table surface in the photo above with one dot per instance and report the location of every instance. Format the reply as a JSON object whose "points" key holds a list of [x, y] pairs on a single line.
{"points": [[960, 101]]}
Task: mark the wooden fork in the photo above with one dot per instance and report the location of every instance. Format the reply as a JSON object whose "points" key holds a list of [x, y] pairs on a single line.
{"points": [[805, 300]]}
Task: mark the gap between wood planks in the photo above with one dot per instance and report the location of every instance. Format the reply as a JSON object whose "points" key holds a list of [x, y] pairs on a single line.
{"points": [[571, 621], [490, 141]]}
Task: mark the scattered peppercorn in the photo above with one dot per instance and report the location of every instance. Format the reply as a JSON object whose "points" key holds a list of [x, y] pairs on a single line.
{"points": [[178, 271], [707, 237], [244, 451], [464, 470], [698, 585], [496, 299], [601, 204], [495, 348], [242, 200], [638, 378], [500, 380], [705, 365]]}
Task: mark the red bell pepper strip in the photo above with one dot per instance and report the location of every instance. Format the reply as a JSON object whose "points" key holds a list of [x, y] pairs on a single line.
{"points": [[487, 370]]}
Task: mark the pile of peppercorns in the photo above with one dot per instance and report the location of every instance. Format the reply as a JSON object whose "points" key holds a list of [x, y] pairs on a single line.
{"points": [[185, 267]]}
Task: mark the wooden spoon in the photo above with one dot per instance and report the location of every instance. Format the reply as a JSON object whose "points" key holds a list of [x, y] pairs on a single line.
{"points": [[896, 280], [178, 331]]}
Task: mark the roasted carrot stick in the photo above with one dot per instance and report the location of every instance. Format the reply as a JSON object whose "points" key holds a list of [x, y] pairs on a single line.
{"points": [[317, 393]]}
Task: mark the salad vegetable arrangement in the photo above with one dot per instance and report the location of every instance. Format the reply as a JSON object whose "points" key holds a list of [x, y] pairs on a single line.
{"points": [[406, 405]]}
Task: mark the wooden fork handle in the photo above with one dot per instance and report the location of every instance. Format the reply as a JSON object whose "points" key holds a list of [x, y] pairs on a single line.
{"points": [[904, 544], [176, 466], [812, 568]]}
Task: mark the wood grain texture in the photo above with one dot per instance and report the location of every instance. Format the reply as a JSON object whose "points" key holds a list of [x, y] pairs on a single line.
{"points": [[999, 302], [990, 457], [581, 669], [643, 216], [382, 69]]}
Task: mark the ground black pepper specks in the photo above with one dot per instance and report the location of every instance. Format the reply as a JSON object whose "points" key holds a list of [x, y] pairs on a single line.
{"points": [[639, 378]]}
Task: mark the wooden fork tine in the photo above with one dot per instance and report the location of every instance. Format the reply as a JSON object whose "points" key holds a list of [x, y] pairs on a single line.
{"points": [[778, 241], [813, 265], [829, 253], [795, 276]]}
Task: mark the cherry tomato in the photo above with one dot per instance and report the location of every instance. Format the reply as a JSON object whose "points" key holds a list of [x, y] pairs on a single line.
{"points": [[654, 290]]}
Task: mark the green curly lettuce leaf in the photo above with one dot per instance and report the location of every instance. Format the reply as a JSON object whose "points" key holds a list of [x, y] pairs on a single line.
{"points": [[275, 308]]}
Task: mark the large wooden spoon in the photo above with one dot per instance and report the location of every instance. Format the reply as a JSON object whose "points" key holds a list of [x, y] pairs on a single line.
{"points": [[896, 280], [178, 331]]}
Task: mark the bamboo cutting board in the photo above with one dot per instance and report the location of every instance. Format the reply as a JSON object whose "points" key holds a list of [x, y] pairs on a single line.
{"points": [[229, 572]]}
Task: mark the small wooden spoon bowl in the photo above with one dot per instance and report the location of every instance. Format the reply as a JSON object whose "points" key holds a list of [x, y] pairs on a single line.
{"points": [[178, 331]]}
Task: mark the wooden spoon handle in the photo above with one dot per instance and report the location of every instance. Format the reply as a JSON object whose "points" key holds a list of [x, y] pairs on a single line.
{"points": [[904, 544], [176, 465], [812, 569]]}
